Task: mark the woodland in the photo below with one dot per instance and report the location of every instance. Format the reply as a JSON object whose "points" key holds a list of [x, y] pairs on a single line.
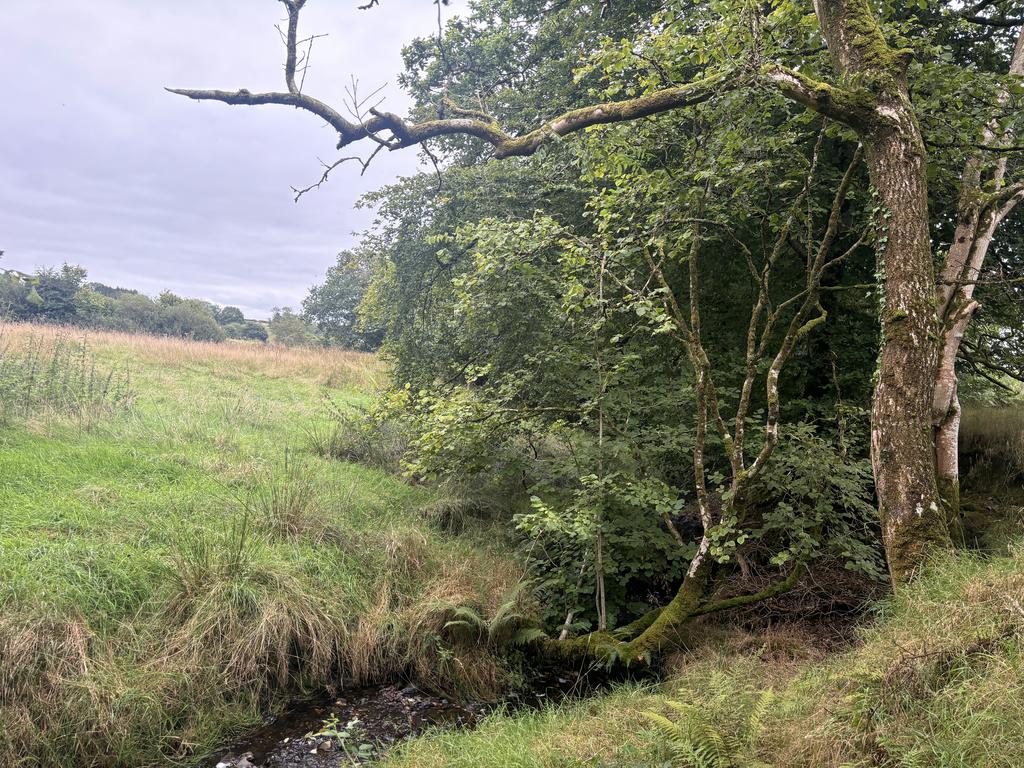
{"points": [[697, 278]]}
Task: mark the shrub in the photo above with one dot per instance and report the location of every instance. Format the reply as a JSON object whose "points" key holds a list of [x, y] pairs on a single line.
{"points": [[59, 375], [358, 437]]}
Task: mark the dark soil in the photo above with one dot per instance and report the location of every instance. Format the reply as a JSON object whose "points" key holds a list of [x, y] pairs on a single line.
{"points": [[360, 724], [368, 719]]}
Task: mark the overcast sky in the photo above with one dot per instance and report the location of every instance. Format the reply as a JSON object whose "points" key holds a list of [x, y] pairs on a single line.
{"points": [[99, 166]]}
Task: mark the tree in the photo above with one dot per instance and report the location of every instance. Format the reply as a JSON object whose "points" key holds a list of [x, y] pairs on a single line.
{"points": [[250, 330], [57, 289], [333, 306], [228, 315], [189, 318], [864, 86], [289, 329]]}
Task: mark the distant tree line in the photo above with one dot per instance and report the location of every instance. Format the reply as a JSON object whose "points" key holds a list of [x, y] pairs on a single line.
{"points": [[329, 316], [63, 296]]}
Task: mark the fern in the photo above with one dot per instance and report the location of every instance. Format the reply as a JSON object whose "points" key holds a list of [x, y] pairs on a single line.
{"points": [[508, 626], [695, 740]]}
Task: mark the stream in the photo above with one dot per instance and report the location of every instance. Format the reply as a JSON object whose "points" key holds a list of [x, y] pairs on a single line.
{"points": [[359, 724]]}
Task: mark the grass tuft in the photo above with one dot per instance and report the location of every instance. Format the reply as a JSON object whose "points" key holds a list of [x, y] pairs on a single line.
{"points": [[358, 437]]}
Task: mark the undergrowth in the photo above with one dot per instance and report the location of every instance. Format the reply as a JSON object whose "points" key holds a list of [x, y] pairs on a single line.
{"points": [[57, 374], [936, 679]]}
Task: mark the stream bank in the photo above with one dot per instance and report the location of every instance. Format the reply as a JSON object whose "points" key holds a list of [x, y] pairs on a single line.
{"points": [[359, 725]]}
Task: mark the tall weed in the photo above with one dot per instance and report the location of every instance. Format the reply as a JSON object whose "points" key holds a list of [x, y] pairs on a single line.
{"points": [[56, 374]]}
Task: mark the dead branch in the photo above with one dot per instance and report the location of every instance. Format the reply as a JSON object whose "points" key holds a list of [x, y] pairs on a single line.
{"points": [[828, 100]]}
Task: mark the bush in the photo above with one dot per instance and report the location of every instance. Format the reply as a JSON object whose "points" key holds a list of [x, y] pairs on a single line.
{"points": [[358, 437], [57, 375], [290, 330]]}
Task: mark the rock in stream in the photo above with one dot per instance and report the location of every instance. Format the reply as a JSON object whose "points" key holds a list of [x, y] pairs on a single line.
{"points": [[355, 725]]}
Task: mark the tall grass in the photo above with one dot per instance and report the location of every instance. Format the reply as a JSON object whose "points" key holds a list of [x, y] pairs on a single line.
{"points": [[165, 580], [54, 373], [357, 436], [331, 367], [992, 446]]}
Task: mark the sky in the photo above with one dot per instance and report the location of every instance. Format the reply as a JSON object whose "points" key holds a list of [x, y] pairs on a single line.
{"points": [[99, 166]]}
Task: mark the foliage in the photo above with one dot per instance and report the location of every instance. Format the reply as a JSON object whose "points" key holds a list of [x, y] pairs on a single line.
{"points": [[58, 375], [229, 315], [290, 329], [350, 434], [695, 740], [534, 350], [250, 330], [344, 735], [64, 297], [511, 624], [333, 306], [816, 503]]}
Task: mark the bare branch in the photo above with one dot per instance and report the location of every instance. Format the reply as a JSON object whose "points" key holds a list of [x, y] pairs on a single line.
{"points": [[330, 167], [828, 100], [294, 7]]}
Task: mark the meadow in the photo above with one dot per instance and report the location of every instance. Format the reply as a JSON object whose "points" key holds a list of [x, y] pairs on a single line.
{"points": [[187, 542], [175, 561]]}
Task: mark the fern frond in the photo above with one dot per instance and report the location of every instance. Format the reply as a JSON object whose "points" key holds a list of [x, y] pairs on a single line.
{"points": [[755, 723]]}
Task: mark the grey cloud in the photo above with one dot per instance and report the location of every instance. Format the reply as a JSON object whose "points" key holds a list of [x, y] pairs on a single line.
{"points": [[100, 166]]}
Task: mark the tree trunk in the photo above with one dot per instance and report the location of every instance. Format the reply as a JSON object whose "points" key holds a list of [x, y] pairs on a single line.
{"points": [[977, 220], [901, 416]]}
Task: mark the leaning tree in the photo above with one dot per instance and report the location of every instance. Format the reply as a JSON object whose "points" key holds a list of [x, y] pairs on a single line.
{"points": [[864, 86]]}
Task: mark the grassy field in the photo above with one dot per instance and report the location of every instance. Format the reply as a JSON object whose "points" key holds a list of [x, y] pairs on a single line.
{"points": [[174, 560]]}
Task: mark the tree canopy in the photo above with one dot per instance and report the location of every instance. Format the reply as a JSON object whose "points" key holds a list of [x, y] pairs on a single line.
{"points": [[705, 334]]}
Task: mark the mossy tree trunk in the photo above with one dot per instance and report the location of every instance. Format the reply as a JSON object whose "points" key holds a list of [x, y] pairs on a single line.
{"points": [[902, 452]]}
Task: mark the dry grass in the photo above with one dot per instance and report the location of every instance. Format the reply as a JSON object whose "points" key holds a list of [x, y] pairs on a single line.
{"points": [[327, 366]]}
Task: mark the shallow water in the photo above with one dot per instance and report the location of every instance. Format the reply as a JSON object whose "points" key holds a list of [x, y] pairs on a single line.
{"points": [[375, 718]]}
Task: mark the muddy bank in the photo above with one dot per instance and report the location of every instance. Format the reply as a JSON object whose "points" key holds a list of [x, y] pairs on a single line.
{"points": [[358, 725]]}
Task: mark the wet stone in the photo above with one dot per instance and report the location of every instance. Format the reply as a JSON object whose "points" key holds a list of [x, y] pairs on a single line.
{"points": [[361, 724]]}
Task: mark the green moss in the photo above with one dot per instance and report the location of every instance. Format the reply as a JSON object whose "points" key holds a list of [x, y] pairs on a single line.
{"points": [[868, 39]]}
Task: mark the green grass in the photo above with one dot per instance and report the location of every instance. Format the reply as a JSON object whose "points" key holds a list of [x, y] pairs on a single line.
{"points": [[181, 564], [936, 679]]}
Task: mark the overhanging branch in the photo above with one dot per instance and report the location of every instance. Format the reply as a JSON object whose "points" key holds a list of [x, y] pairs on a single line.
{"points": [[833, 102]]}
